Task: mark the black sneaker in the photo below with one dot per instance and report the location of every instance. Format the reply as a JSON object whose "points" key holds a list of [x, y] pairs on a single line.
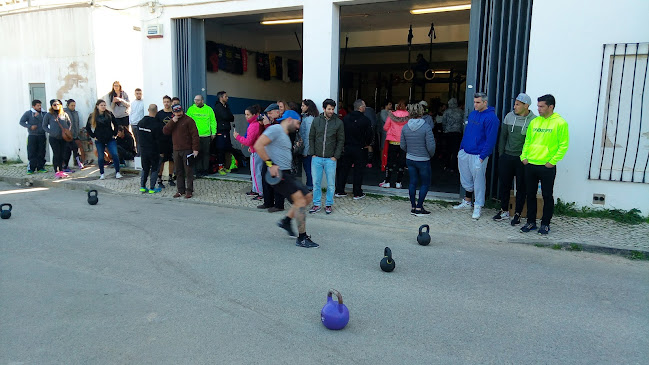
{"points": [[306, 243], [283, 224], [172, 183], [421, 212], [544, 230], [161, 185], [412, 211], [528, 227], [516, 220]]}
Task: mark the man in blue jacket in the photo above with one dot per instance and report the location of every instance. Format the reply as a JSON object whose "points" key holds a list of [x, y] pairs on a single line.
{"points": [[477, 144]]}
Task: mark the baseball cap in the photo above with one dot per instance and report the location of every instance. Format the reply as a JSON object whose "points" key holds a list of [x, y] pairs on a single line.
{"points": [[290, 114], [177, 108], [524, 98], [272, 106]]}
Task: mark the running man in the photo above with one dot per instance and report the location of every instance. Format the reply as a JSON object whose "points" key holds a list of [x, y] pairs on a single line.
{"points": [[275, 148]]}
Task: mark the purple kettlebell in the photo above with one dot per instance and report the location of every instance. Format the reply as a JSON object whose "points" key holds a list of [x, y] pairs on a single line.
{"points": [[334, 315]]}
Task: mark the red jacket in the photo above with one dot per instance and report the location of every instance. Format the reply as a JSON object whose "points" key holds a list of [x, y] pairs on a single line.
{"points": [[184, 133]]}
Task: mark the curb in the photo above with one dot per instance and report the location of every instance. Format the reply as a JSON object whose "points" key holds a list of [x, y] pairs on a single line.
{"points": [[638, 253]]}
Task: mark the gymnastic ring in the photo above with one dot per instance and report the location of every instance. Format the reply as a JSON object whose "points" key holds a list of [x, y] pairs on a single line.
{"points": [[408, 72], [430, 70]]}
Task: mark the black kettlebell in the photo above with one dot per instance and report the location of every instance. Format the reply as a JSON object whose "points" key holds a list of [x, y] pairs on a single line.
{"points": [[5, 213], [387, 263], [424, 237], [92, 197]]}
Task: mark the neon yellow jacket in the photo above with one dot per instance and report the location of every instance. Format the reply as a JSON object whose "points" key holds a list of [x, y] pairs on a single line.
{"points": [[546, 140], [204, 118]]}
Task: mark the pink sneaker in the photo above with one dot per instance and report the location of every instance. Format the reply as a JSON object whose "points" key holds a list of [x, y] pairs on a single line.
{"points": [[369, 165]]}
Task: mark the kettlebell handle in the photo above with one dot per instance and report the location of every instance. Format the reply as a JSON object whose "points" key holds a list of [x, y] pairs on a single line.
{"points": [[6, 205], [424, 226], [334, 291], [91, 192], [387, 253]]}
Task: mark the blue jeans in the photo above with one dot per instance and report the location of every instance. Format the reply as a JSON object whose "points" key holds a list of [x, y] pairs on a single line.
{"points": [[112, 150], [419, 172], [306, 163], [318, 164]]}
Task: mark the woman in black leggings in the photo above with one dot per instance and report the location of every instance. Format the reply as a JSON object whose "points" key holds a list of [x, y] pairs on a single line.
{"points": [[54, 123]]}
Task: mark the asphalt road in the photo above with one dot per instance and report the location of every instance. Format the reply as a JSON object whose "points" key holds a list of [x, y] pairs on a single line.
{"points": [[142, 281]]}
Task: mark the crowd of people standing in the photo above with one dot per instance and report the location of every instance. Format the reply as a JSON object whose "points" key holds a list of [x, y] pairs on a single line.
{"points": [[196, 141]]}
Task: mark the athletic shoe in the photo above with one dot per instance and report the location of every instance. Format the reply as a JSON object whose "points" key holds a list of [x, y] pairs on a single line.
{"points": [[421, 212], [102, 177], [464, 205], [143, 190], [153, 191], [306, 243], [516, 220], [502, 215], [118, 175], [274, 209], [397, 185], [67, 170], [171, 183], [359, 197], [412, 211], [384, 185], [528, 227], [328, 209], [263, 206], [178, 195], [314, 209], [30, 172], [42, 170], [258, 198], [222, 172], [161, 185], [476, 212], [544, 230], [252, 193], [283, 224], [369, 165], [340, 195]]}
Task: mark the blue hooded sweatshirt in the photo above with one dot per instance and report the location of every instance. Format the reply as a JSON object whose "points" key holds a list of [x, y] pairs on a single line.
{"points": [[481, 133]]}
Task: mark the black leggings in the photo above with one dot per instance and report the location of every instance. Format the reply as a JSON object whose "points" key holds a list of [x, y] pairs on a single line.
{"points": [[396, 161], [58, 151]]}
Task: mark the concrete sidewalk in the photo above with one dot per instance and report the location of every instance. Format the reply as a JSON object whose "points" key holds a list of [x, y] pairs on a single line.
{"points": [[589, 233]]}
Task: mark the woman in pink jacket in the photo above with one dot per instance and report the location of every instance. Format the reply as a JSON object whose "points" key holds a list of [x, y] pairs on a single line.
{"points": [[255, 128], [396, 159]]}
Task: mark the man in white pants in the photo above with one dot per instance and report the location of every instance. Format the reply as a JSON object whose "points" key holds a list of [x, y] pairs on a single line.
{"points": [[477, 145]]}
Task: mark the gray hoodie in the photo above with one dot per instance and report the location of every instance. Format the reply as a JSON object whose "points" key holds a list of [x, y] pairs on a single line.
{"points": [[29, 119], [513, 132], [74, 119], [453, 118], [51, 124], [417, 140]]}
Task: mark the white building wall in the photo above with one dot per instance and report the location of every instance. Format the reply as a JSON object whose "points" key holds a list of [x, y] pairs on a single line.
{"points": [[565, 60], [52, 47]]}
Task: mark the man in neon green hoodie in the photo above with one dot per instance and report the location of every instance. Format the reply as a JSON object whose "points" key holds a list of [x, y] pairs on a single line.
{"points": [[203, 115], [546, 143]]}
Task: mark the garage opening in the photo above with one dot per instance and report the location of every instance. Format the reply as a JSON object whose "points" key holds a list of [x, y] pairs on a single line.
{"points": [[388, 54]]}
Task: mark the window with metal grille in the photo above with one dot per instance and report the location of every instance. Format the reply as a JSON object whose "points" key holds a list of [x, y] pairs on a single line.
{"points": [[620, 149]]}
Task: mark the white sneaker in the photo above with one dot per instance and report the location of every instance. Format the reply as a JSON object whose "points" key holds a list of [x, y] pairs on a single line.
{"points": [[397, 185], [118, 175], [384, 184], [464, 205], [476, 212], [102, 177]]}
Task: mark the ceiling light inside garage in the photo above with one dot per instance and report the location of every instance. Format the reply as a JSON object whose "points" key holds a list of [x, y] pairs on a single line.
{"points": [[282, 21], [441, 9]]}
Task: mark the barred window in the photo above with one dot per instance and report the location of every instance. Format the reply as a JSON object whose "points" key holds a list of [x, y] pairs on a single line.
{"points": [[620, 149]]}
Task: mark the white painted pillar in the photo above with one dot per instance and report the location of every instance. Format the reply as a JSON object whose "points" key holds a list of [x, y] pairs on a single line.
{"points": [[321, 51]]}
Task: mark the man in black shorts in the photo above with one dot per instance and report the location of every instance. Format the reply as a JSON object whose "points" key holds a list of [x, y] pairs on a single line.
{"points": [[165, 146], [274, 146]]}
